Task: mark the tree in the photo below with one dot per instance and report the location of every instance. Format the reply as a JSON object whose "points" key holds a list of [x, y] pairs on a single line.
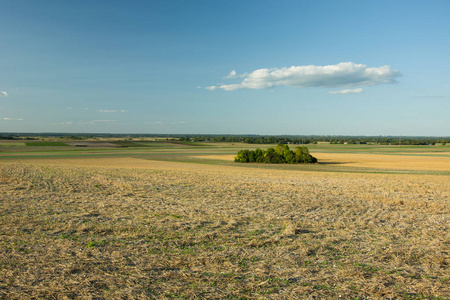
{"points": [[277, 155], [242, 156]]}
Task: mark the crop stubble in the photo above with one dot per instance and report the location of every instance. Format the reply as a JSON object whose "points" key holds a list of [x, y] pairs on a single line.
{"points": [[131, 228]]}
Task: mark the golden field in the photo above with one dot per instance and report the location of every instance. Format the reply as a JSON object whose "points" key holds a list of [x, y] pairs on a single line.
{"points": [[134, 228]]}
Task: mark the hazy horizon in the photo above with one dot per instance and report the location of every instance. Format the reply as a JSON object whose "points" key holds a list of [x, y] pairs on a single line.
{"points": [[155, 134]]}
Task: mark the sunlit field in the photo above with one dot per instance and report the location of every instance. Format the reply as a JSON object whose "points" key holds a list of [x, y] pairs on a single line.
{"points": [[173, 221]]}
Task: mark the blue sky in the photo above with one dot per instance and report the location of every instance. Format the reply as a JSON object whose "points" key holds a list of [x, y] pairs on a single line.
{"points": [[225, 67]]}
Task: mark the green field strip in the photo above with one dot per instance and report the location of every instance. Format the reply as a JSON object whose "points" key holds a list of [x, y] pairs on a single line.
{"points": [[110, 151], [65, 155], [119, 149], [158, 144], [179, 150], [46, 144]]}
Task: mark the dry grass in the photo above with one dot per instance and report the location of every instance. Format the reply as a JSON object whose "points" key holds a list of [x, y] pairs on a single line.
{"points": [[136, 229]]}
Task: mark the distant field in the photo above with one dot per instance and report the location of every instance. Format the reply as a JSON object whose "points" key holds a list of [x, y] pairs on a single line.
{"points": [[180, 221], [3, 144], [45, 144]]}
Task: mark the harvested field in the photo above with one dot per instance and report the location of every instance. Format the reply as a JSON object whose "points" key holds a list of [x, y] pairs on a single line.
{"points": [[129, 228]]}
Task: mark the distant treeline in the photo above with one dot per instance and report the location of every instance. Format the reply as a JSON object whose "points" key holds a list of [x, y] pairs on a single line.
{"points": [[11, 137], [251, 139], [381, 140], [281, 154]]}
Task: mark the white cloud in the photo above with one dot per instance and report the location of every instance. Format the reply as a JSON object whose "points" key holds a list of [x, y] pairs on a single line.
{"points": [[103, 121], [112, 111], [348, 91], [166, 123], [3, 94], [95, 122], [345, 74], [231, 75], [12, 119], [61, 123]]}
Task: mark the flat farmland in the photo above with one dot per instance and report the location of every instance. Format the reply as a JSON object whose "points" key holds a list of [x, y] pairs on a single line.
{"points": [[174, 221]]}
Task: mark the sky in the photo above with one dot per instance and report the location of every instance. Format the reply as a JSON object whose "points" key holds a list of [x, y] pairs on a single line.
{"points": [[225, 67]]}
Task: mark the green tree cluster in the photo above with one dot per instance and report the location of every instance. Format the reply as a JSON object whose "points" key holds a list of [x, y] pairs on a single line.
{"points": [[281, 154]]}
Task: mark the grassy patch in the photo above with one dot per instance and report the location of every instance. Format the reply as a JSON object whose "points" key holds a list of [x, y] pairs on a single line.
{"points": [[7, 145], [45, 144], [135, 144]]}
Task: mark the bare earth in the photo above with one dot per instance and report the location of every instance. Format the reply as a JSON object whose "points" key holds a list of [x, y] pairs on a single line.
{"points": [[128, 228]]}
